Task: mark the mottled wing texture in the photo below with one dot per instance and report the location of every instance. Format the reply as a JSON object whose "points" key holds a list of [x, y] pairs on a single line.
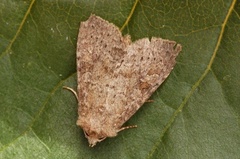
{"points": [[116, 76]]}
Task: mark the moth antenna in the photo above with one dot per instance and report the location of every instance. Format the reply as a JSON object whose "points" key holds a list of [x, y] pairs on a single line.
{"points": [[127, 127], [73, 91]]}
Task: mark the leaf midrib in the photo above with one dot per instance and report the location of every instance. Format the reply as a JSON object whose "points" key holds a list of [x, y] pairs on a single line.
{"points": [[197, 83]]}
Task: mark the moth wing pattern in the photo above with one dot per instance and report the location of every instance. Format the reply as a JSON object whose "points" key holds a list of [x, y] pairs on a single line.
{"points": [[145, 70], [116, 76], [99, 51]]}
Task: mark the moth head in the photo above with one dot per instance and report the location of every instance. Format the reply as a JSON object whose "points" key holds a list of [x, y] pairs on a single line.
{"points": [[94, 137]]}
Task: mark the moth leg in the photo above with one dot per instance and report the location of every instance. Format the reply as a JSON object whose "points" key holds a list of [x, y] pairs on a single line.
{"points": [[127, 127], [73, 91], [150, 101]]}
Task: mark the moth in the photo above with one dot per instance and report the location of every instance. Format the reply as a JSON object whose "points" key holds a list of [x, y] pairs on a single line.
{"points": [[116, 76]]}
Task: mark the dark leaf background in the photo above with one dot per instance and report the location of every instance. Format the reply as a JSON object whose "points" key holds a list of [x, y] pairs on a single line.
{"points": [[195, 113]]}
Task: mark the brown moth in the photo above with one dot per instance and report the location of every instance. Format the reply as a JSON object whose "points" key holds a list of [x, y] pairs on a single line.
{"points": [[115, 76]]}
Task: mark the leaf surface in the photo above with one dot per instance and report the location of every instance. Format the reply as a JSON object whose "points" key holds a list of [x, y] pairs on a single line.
{"points": [[195, 113]]}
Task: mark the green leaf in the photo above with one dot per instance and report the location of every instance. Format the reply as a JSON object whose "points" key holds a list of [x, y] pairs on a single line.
{"points": [[195, 113]]}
